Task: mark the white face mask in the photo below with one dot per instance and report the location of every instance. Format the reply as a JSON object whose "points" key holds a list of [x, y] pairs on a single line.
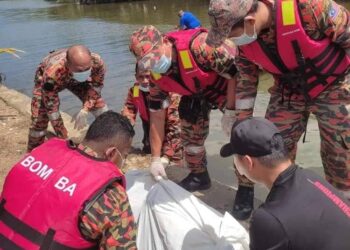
{"points": [[82, 76], [163, 65], [244, 38], [144, 89]]}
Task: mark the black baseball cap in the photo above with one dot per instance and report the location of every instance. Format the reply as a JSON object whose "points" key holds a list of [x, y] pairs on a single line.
{"points": [[251, 136]]}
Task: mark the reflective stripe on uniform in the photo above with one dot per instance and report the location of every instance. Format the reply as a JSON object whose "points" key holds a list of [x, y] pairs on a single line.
{"points": [[166, 103], [156, 76], [185, 59], [154, 110], [245, 103], [288, 13], [158, 105], [98, 89], [136, 91], [54, 116], [35, 133], [194, 149]]}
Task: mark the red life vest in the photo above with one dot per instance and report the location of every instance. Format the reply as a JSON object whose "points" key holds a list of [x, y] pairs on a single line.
{"points": [[302, 63], [46, 192], [193, 79], [140, 102]]}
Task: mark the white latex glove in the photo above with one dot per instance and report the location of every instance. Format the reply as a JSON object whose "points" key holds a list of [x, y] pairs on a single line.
{"points": [[165, 161], [157, 169], [99, 111], [80, 119], [227, 121]]}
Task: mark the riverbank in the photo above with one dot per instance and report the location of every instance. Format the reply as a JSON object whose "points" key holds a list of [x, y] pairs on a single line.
{"points": [[13, 137]]}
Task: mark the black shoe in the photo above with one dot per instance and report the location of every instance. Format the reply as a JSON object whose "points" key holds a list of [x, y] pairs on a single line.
{"points": [[194, 182], [244, 203]]}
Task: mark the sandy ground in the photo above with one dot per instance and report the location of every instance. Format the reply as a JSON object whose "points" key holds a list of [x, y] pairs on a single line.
{"points": [[13, 137]]}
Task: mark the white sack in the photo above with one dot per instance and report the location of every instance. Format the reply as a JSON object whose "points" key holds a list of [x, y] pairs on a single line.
{"points": [[170, 217]]}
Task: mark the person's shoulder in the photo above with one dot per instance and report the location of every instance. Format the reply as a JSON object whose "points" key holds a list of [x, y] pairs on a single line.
{"points": [[306, 174], [112, 198], [266, 231], [201, 51], [262, 219], [200, 48], [309, 3], [261, 216], [54, 73], [134, 88], [309, 8], [116, 187]]}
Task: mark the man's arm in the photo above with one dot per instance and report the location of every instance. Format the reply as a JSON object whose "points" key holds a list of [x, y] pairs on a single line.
{"points": [[98, 71], [326, 17], [110, 221], [158, 102], [266, 232], [51, 102], [129, 109], [246, 86], [157, 123], [231, 94], [228, 62], [93, 99]]}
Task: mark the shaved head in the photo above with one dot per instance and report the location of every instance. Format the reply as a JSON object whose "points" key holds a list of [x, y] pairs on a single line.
{"points": [[78, 58]]}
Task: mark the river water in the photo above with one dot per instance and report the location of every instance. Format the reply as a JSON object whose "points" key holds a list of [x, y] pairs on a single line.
{"points": [[38, 26]]}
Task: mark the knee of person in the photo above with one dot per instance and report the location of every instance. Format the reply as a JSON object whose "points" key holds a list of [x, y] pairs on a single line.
{"points": [[194, 149]]}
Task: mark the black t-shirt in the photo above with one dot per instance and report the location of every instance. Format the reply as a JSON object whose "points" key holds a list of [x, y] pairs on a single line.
{"points": [[302, 211]]}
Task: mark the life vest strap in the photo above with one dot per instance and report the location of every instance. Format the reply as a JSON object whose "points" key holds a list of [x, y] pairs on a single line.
{"points": [[6, 244], [178, 79], [274, 58], [45, 242], [213, 92]]}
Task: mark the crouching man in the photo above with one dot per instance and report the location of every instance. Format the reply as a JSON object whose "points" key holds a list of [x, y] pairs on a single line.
{"points": [[67, 196], [302, 210]]}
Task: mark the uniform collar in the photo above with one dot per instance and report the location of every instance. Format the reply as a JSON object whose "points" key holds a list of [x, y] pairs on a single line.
{"points": [[285, 175], [87, 150]]}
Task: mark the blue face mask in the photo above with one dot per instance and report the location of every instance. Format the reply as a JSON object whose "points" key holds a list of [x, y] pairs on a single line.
{"points": [[162, 66], [82, 76], [244, 38]]}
